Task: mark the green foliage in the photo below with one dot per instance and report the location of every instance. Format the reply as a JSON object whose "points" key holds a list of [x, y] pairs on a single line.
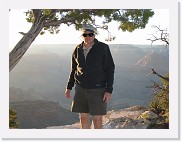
{"points": [[129, 19], [145, 116], [30, 16], [135, 19], [160, 102], [46, 12], [12, 119]]}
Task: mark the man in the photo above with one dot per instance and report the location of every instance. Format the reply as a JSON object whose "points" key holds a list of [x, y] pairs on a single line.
{"points": [[93, 73]]}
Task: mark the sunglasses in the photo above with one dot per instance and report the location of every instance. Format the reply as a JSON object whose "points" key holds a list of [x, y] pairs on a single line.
{"points": [[90, 35]]}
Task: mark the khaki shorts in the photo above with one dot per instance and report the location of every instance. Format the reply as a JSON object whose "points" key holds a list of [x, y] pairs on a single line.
{"points": [[89, 101]]}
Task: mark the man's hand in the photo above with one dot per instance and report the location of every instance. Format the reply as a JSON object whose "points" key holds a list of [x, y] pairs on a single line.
{"points": [[107, 97], [68, 93]]}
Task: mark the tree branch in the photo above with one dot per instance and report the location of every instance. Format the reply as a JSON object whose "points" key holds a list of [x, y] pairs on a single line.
{"points": [[57, 23], [37, 13], [154, 72], [163, 36]]}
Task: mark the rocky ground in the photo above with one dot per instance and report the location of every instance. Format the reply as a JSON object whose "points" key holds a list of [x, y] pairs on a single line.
{"points": [[136, 117]]}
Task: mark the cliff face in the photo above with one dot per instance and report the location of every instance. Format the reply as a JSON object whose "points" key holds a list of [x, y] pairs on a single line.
{"points": [[136, 117], [42, 114]]}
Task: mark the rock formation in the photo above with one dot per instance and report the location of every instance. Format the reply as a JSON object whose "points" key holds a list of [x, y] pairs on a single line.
{"points": [[135, 117]]}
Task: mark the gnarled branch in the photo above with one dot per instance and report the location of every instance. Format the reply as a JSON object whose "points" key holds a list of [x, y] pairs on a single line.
{"points": [[164, 36]]}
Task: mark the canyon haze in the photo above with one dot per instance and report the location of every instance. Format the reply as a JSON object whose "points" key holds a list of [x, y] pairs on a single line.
{"points": [[42, 75]]}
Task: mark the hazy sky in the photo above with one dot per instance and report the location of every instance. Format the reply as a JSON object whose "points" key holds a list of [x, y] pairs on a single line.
{"points": [[69, 35]]}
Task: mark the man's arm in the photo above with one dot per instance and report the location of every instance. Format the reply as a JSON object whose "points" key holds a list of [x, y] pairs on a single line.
{"points": [[71, 80], [109, 68]]}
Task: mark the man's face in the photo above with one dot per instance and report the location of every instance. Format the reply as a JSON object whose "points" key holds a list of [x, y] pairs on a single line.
{"points": [[88, 37]]}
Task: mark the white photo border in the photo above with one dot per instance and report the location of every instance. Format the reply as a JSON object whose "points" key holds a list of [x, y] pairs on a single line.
{"points": [[171, 133]]}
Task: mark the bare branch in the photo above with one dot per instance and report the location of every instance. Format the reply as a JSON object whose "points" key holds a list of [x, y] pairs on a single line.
{"points": [[154, 72], [22, 33], [164, 36]]}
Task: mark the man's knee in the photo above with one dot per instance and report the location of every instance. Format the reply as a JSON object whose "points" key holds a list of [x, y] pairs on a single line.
{"points": [[84, 119], [84, 115], [97, 119]]}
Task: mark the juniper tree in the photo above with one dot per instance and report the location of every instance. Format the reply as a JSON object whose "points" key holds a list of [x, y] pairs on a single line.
{"points": [[160, 101]]}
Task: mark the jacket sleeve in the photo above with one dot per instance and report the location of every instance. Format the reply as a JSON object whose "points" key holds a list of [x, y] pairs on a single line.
{"points": [[71, 80], [109, 68]]}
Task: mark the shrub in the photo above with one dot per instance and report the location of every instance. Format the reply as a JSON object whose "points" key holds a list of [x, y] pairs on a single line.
{"points": [[160, 102], [12, 119]]}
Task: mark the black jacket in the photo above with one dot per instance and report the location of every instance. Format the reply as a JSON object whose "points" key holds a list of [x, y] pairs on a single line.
{"points": [[96, 71]]}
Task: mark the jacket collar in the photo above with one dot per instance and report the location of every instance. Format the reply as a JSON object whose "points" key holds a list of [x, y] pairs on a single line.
{"points": [[95, 43]]}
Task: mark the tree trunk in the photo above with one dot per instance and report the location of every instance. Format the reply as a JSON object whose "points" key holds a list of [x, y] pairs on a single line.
{"points": [[22, 46]]}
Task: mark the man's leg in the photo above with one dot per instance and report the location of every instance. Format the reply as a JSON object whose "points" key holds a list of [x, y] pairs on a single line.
{"points": [[97, 120], [84, 120]]}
